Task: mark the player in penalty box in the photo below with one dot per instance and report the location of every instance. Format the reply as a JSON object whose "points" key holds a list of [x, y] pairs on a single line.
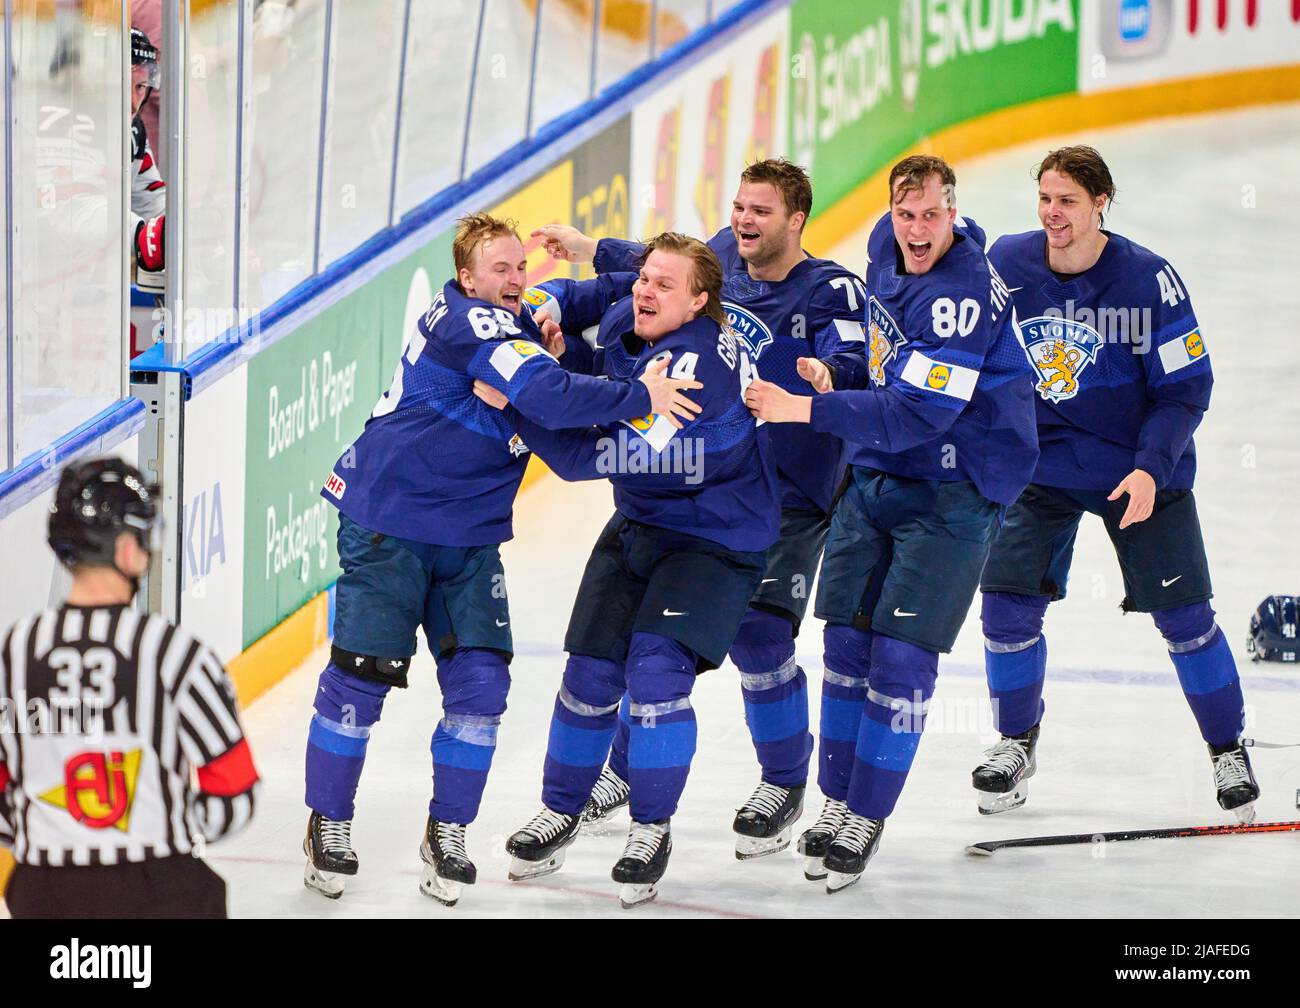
{"points": [[670, 578], [425, 497], [1122, 376], [940, 422], [783, 304]]}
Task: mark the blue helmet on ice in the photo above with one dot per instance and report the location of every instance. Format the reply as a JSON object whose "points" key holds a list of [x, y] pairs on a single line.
{"points": [[1273, 630]]}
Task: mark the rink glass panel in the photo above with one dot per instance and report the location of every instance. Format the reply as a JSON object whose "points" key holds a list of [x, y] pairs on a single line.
{"points": [[563, 77], [68, 161], [211, 211], [501, 81], [435, 97], [362, 117], [678, 18], [623, 42], [283, 126]]}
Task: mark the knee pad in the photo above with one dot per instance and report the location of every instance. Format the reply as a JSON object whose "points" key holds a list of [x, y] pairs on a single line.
{"points": [[847, 650], [764, 642], [347, 699], [901, 672], [660, 675], [1187, 628], [1012, 620], [592, 687], [474, 681], [389, 671]]}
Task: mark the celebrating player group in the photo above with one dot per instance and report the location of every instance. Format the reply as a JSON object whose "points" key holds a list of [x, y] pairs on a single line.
{"points": [[768, 418]]}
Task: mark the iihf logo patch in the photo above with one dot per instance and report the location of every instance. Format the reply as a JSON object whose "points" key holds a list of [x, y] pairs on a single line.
{"points": [[883, 341], [1059, 349], [748, 327]]}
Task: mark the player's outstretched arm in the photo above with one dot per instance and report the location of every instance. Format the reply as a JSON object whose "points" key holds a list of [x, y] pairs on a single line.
{"points": [[566, 243]]}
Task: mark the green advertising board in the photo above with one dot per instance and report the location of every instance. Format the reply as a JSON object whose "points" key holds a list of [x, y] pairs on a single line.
{"points": [[869, 79], [309, 395]]}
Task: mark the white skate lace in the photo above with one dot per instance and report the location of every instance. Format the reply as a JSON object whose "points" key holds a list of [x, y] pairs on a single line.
{"points": [[451, 839], [856, 833], [643, 841], [1230, 770], [831, 818], [1009, 756], [610, 790], [766, 800], [547, 825], [336, 835]]}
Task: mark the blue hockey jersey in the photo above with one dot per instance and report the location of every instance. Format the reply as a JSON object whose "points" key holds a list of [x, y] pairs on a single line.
{"points": [[815, 311], [1121, 371], [714, 478], [944, 392], [437, 465]]}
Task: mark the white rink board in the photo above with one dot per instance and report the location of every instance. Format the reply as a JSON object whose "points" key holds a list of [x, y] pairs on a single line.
{"points": [[212, 514], [698, 209], [1162, 46], [1119, 748]]}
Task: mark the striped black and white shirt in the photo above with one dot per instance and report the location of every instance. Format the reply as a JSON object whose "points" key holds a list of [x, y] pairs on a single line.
{"points": [[107, 715]]}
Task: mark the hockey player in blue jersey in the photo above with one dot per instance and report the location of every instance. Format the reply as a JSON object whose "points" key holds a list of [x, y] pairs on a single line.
{"points": [[424, 497], [940, 422], [1122, 378], [670, 578], [784, 304]]}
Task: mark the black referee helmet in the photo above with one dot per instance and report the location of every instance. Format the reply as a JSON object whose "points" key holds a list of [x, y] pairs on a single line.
{"points": [[95, 503]]}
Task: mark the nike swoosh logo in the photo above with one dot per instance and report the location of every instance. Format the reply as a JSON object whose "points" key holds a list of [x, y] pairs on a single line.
{"points": [[669, 612], [506, 623], [1166, 584], [1012, 290], [767, 580], [899, 612]]}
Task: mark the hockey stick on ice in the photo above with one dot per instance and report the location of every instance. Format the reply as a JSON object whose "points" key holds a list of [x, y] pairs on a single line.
{"points": [[988, 847]]}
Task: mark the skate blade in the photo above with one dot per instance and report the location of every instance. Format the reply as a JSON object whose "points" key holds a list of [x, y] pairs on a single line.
{"points": [[632, 895], [1245, 813], [814, 870], [835, 881], [522, 871], [328, 884], [748, 847], [991, 803], [604, 825], [445, 891]]}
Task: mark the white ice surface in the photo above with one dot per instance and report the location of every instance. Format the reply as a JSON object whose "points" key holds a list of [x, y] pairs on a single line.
{"points": [[1119, 747]]}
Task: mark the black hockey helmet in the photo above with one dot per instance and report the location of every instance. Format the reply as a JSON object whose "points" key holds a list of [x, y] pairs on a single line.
{"points": [[145, 54], [1273, 630], [95, 502]]}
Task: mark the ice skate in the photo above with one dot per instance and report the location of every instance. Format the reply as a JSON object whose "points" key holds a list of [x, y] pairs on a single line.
{"points": [[1234, 781], [764, 823], [816, 840], [539, 847], [854, 845], [447, 868], [643, 862], [330, 857], [1002, 780], [607, 797]]}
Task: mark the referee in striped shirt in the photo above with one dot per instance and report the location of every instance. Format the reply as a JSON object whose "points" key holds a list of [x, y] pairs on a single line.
{"points": [[108, 717]]}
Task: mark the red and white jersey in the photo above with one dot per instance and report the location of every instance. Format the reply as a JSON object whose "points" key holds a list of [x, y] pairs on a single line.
{"points": [[108, 717], [148, 191]]}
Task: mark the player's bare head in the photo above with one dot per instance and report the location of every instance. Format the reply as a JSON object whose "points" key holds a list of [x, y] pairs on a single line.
{"points": [[489, 260], [922, 206], [772, 205], [1075, 189], [680, 279]]}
